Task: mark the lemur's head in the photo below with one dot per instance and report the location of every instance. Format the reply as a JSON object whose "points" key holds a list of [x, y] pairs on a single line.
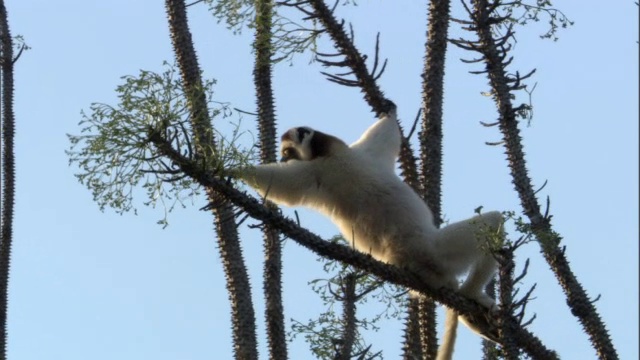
{"points": [[305, 144]]}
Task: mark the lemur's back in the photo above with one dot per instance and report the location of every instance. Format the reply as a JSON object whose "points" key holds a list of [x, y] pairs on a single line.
{"points": [[377, 212]]}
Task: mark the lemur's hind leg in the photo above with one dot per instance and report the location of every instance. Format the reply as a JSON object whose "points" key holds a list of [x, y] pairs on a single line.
{"points": [[479, 276]]}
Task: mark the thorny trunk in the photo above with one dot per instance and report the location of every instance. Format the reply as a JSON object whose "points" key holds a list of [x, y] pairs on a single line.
{"points": [[333, 251], [489, 348], [428, 334], [431, 144], [505, 326], [243, 317], [348, 317], [411, 347], [494, 57], [272, 287], [8, 170]]}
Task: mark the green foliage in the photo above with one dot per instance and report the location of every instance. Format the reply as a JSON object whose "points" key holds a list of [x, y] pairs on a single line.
{"points": [[237, 14], [547, 239], [289, 36], [324, 333], [522, 13], [115, 158], [19, 44]]}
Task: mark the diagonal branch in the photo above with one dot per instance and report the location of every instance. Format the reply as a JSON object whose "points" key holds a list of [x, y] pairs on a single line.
{"points": [[238, 286], [470, 309], [495, 53]]}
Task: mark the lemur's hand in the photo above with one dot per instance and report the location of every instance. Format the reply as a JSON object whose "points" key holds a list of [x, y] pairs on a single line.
{"points": [[388, 107]]}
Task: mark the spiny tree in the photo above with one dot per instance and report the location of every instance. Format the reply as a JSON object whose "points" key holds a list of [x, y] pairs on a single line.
{"points": [[7, 60], [179, 147]]}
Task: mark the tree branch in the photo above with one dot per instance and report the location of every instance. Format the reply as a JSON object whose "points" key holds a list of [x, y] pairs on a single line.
{"points": [[8, 171], [494, 57], [238, 286], [348, 317], [506, 266], [431, 141], [272, 277], [470, 309]]}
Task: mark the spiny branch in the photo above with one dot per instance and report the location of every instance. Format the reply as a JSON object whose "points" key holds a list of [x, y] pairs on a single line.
{"points": [[506, 266], [8, 171], [238, 286], [430, 138], [494, 51], [473, 311], [348, 298], [272, 281]]}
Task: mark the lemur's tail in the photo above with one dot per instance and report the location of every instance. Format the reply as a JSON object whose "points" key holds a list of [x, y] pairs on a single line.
{"points": [[445, 352]]}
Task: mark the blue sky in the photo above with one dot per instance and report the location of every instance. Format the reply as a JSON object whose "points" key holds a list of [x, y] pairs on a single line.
{"points": [[92, 285]]}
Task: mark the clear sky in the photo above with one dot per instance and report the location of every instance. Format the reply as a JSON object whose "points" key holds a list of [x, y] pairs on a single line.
{"points": [[92, 285]]}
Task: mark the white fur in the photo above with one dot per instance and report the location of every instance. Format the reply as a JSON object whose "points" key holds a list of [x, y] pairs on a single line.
{"points": [[357, 187]]}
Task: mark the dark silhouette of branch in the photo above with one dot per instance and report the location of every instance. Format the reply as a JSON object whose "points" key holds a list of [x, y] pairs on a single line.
{"points": [[411, 345], [489, 348], [272, 282], [254, 208], [242, 312], [432, 99], [495, 54], [427, 322], [8, 170], [506, 266], [431, 141], [348, 299]]}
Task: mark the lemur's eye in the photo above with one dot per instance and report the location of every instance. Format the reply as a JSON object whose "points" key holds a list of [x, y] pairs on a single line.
{"points": [[288, 154]]}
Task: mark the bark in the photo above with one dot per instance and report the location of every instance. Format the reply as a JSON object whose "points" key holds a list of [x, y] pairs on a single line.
{"points": [[495, 56], [431, 144], [489, 348], [470, 309], [411, 347], [506, 266], [428, 335], [272, 282], [242, 312], [349, 299], [8, 170]]}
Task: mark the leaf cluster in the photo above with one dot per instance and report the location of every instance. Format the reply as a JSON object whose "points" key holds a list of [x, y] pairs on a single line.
{"points": [[291, 35], [113, 153], [523, 13], [324, 332]]}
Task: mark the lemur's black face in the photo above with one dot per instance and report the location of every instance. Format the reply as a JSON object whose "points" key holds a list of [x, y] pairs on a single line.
{"points": [[305, 144], [296, 144]]}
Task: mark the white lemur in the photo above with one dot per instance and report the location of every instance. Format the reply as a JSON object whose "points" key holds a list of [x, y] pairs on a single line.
{"points": [[357, 187]]}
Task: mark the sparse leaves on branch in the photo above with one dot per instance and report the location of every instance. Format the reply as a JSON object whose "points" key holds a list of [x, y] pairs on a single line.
{"points": [[291, 35], [325, 333], [115, 158], [523, 13]]}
